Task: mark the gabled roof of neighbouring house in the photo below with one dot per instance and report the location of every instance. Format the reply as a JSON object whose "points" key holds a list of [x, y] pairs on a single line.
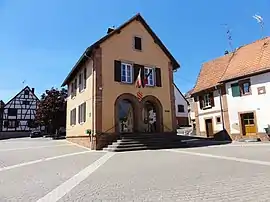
{"points": [[180, 93], [246, 61], [2, 104], [28, 88], [89, 50], [188, 94]]}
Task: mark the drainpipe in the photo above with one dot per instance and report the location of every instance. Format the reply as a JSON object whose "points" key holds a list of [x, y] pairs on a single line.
{"points": [[221, 106], [93, 102]]}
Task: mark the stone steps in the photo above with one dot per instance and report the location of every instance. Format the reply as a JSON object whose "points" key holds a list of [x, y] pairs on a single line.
{"points": [[132, 142]]}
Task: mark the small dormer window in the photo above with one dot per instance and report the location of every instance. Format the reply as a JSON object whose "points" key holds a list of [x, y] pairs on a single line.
{"points": [[138, 43]]}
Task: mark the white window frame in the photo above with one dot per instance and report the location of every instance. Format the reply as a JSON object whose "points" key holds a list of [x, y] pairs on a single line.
{"points": [[146, 71], [206, 100], [125, 66]]}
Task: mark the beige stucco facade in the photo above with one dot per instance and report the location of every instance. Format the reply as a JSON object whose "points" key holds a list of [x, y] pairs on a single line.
{"points": [[102, 91], [120, 47], [78, 130]]}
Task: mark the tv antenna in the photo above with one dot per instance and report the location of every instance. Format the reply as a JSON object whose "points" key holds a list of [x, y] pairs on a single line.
{"points": [[229, 35], [260, 22]]}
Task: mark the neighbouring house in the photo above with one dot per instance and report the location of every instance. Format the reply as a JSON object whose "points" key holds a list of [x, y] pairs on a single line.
{"points": [[102, 98], [191, 108], [2, 104], [232, 93], [181, 108], [19, 114]]}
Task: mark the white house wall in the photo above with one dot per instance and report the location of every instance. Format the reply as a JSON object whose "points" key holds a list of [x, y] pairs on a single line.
{"points": [[210, 113], [180, 100], [254, 102]]}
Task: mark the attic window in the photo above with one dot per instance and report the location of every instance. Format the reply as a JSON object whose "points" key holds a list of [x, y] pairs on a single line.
{"points": [[26, 92], [138, 43], [180, 108]]}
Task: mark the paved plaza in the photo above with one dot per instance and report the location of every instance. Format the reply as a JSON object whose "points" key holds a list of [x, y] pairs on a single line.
{"points": [[46, 170]]}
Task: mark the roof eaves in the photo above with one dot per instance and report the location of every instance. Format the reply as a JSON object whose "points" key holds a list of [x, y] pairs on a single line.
{"points": [[180, 93], [138, 17]]}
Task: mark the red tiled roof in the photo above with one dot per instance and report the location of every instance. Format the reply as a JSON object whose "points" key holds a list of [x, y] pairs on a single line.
{"points": [[245, 61]]}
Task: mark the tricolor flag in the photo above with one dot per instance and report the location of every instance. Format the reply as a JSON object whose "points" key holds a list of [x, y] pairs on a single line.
{"points": [[138, 83]]}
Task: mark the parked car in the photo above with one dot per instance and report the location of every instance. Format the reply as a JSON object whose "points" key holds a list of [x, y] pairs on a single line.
{"points": [[35, 133], [60, 133]]}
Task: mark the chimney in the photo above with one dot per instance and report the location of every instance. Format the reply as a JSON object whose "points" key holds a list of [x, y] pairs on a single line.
{"points": [[33, 90], [110, 29], [226, 52]]}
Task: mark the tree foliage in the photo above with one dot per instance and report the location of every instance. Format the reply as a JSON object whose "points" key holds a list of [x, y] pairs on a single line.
{"points": [[51, 111]]}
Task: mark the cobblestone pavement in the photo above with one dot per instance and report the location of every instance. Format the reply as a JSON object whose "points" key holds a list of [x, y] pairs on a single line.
{"points": [[46, 170]]}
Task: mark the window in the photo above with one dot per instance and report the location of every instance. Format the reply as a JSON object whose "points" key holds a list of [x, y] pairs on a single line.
{"points": [[206, 101], [245, 87], [241, 88], [137, 43], [126, 73], [12, 124], [180, 108], [84, 78], [26, 92], [218, 120], [149, 76], [25, 102], [73, 88], [73, 117], [82, 113], [80, 82], [12, 112]]}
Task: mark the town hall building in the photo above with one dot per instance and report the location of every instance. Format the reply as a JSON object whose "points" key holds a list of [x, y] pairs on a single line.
{"points": [[103, 95]]}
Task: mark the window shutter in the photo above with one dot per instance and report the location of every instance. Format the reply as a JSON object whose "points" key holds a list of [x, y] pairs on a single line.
{"points": [[142, 75], [158, 77], [211, 96], [75, 116], [84, 77], [235, 90], [70, 117], [84, 112], [136, 71], [6, 124], [117, 71], [201, 102]]}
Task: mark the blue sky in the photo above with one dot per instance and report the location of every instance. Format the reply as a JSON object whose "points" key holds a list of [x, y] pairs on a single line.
{"points": [[40, 41]]}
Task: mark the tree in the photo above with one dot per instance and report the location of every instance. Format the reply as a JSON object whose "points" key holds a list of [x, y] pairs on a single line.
{"points": [[51, 111]]}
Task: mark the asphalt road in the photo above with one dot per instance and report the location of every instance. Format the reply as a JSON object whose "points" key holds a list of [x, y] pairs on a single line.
{"points": [[48, 170]]}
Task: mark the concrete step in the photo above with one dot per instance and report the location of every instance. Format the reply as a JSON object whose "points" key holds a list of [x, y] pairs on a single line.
{"points": [[119, 148]]}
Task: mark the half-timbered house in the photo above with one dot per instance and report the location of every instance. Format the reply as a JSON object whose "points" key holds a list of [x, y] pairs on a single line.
{"points": [[2, 104], [19, 113]]}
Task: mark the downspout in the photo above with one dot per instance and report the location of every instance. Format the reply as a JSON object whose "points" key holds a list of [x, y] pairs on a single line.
{"points": [[221, 106], [93, 129]]}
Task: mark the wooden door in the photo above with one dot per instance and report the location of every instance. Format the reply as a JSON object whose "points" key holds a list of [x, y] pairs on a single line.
{"points": [[209, 128], [248, 124]]}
